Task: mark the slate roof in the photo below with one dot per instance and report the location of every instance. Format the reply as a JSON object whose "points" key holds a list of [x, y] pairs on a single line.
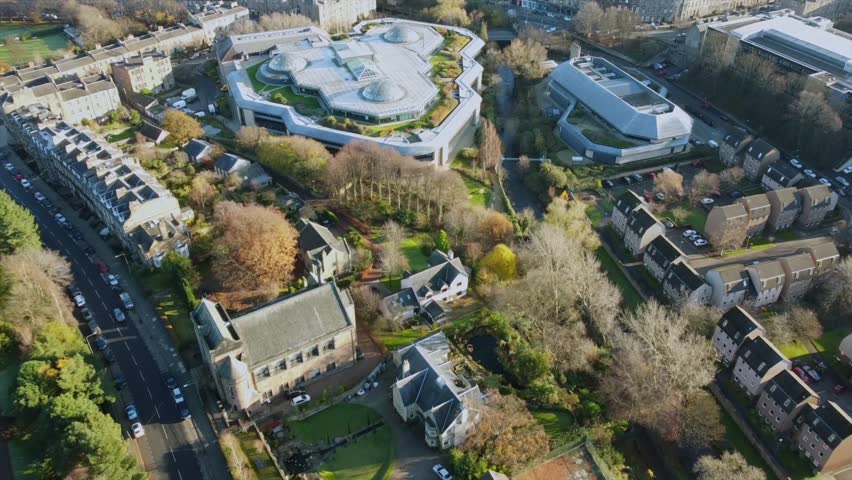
{"points": [[756, 204], [815, 196], [436, 277], [770, 272], [153, 132], [759, 149], [735, 137], [737, 323], [230, 163], [760, 355], [196, 147], [823, 250], [641, 221], [682, 277], [802, 263], [734, 278], [315, 238], [662, 251], [785, 197], [627, 201], [829, 422], [732, 211], [292, 322], [788, 390], [782, 172]]}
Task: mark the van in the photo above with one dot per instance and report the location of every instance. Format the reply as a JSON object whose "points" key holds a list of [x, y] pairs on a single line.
{"points": [[179, 104]]}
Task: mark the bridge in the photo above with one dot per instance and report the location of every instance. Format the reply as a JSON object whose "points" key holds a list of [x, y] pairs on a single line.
{"points": [[498, 35]]}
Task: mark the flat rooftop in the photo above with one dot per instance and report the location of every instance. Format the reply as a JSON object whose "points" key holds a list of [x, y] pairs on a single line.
{"points": [[623, 86]]}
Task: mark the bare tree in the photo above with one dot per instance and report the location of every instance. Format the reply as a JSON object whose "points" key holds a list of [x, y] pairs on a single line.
{"points": [[669, 183], [812, 114], [394, 261], [250, 138], [367, 303], [526, 58], [237, 463], [201, 191], [588, 18], [704, 183], [450, 12], [728, 466], [491, 148], [731, 177], [270, 22], [836, 291]]}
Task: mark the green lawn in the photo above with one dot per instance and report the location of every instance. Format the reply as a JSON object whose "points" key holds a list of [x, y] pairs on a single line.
{"points": [[402, 338], [697, 217], [753, 248], [559, 426], [303, 104], [795, 349], [479, 193], [260, 461], [632, 299], [256, 84], [7, 385], [125, 135], [828, 344], [738, 441], [595, 215], [371, 458], [337, 421], [412, 248], [47, 39], [169, 304]]}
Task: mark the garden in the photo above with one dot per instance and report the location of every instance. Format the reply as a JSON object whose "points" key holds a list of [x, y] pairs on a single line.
{"points": [[33, 41]]}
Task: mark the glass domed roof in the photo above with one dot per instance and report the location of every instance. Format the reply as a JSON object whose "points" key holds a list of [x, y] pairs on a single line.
{"points": [[401, 34], [383, 91], [287, 62]]}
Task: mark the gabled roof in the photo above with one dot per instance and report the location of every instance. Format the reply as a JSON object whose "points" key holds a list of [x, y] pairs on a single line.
{"points": [[436, 277], [735, 138], [815, 196], [770, 272], [682, 277], [662, 251], [737, 324], [784, 197], [734, 278], [822, 251], [759, 149], [315, 238], [788, 390], [754, 203], [782, 172], [152, 132], [730, 212], [801, 263], [829, 422], [230, 163], [641, 221], [627, 201], [760, 354], [197, 148]]}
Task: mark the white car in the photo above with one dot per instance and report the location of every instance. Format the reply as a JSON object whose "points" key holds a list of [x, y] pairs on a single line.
{"points": [[112, 280], [713, 143], [847, 170], [842, 181], [8, 166], [708, 201], [80, 301], [300, 400], [690, 233], [177, 395], [551, 29], [119, 315], [138, 430], [26, 183], [59, 218], [442, 472], [567, 19], [699, 242], [39, 196], [200, 114], [825, 181], [796, 164], [810, 173]]}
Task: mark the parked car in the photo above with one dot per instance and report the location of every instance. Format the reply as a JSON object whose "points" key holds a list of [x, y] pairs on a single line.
{"points": [[19, 176], [700, 242], [131, 412], [660, 196], [170, 382], [60, 218], [838, 389], [109, 356], [668, 223], [9, 167], [736, 194], [627, 180], [102, 266], [294, 392], [183, 410], [26, 183], [39, 196], [713, 143], [442, 472], [100, 343], [112, 280], [301, 399], [825, 181], [801, 373], [86, 314], [689, 233], [608, 183], [796, 164], [138, 430], [708, 201], [177, 396], [812, 373], [842, 181], [810, 173], [79, 300], [126, 300], [847, 170], [647, 197], [637, 177], [120, 382], [119, 315]]}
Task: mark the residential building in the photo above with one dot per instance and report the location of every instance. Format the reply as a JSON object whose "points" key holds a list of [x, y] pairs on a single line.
{"points": [[784, 208], [780, 175], [768, 279], [258, 8], [336, 15], [731, 284], [833, 9], [492, 475], [783, 398], [325, 256], [799, 271], [153, 133], [660, 255], [151, 71], [824, 436], [732, 145], [824, 255], [135, 208], [757, 157], [624, 207], [642, 227], [198, 150], [217, 18], [612, 117], [230, 164], [683, 285], [757, 207], [258, 354], [73, 97], [429, 291], [735, 327], [727, 225], [428, 389], [377, 76], [757, 361], [817, 202], [255, 177]]}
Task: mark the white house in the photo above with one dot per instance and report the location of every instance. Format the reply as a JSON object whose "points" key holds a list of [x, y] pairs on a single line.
{"points": [[427, 292]]}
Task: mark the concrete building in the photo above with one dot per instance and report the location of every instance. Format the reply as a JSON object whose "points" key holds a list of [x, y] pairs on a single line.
{"points": [[768, 280], [735, 327], [74, 98], [799, 272], [217, 18], [336, 15], [146, 71], [263, 352], [732, 145], [783, 398], [784, 208], [624, 207], [727, 225], [780, 175], [757, 158], [731, 285], [833, 9], [817, 202], [611, 117], [429, 292], [429, 390], [823, 435], [142, 214], [642, 228], [381, 77], [324, 255], [824, 255], [758, 361], [683, 285], [659, 257], [258, 8], [757, 207]]}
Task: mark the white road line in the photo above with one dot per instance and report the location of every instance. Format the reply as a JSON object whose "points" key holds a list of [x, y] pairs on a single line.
{"points": [[149, 393], [179, 475], [134, 359], [104, 304], [140, 375], [157, 411]]}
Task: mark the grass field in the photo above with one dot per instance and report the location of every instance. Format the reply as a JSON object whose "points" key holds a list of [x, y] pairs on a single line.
{"points": [[559, 426], [402, 338], [46, 39], [412, 246], [795, 349], [371, 458], [632, 299], [480, 193], [696, 217], [737, 439], [337, 421]]}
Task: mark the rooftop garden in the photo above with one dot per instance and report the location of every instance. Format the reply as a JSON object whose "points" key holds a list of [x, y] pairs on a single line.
{"points": [[597, 131]]}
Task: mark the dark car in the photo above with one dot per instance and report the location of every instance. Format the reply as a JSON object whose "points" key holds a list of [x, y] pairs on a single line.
{"points": [[627, 180], [736, 194], [73, 290], [109, 356], [100, 343], [183, 411], [608, 183], [170, 382], [120, 382]]}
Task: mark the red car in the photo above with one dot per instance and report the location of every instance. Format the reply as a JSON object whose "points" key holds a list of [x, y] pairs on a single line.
{"points": [[801, 373], [19, 177], [647, 197], [838, 389], [102, 267]]}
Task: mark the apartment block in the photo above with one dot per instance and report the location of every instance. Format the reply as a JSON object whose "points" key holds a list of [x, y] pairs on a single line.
{"points": [[735, 327], [780, 175], [799, 272], [642, 227], [817, 202], [731, 285], [768, 280], [146, 71], [726, 224], [217, 18], [73, 97], [824, 255], [757, 362], [660, 255], [784, 208], [757, 207], [783, 398], [757, 157], [626, 203], [683, 285], [823, 435], [732, 146]]}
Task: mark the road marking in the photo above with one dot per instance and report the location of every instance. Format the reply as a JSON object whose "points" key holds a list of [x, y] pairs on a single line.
{"points": [[157, 411], [166, 434], [179, 475], [140, 375], [149, 393], [134, 359], [104, 304]]}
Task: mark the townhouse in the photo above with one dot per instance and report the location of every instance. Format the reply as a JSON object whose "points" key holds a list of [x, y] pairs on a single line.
{"points": [[799, 272], [757, 207], [780, 175], [768, 280], [824, 436], [727, 225], [731, 285], [757, 157], [824, 255], [784, 207], [683, 285], [735, 327], [642, 228], [731, 147], [324, 255], [817, 202], [783, 399], [217, 18], [429, 291], [230, 164], [74, 97], [150, 71], [757, 361], [625, 204], [198, 151], [263, 352], [659, 257]]}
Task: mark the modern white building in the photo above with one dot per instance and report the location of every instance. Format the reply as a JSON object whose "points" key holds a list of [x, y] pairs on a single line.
{"points": [[611, 117], [379, 79]]}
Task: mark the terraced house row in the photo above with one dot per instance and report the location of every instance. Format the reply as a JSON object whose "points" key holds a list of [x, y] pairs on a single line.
{"points": [[820, 428]]}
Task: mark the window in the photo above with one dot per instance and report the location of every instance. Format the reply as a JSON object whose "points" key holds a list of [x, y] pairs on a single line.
{"points": [[458, 284], [330, 345], [297, 358], [315, 351], [263, 372], [282, 364], [331, 366]]}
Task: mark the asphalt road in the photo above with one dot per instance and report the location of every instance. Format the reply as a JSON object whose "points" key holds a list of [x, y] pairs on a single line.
{"points": [[166, 449]]}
